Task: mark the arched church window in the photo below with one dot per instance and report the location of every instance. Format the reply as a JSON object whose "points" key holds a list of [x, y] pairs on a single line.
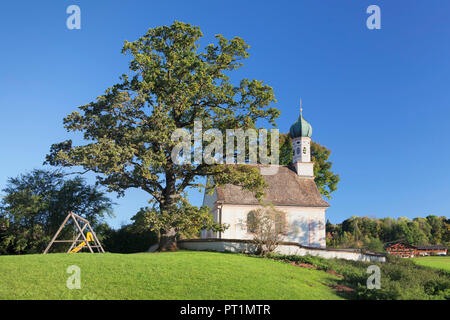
{"points": [[304, 150], [298, 150], [280, 224], [251, 222]]}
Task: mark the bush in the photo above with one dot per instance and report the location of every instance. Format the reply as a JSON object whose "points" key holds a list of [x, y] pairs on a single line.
{"points": [[128, 239], [401, 279], [268, 226]]}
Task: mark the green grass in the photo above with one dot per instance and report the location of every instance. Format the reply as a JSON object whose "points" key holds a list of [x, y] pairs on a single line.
{"points": [[401, 279], [172, 275], [438, 262]]}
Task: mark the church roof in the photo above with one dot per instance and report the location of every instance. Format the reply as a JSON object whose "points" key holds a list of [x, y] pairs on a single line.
{"points": [[285, 188]]}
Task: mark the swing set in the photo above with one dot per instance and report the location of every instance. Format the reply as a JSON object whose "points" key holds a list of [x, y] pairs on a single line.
{"points": [[88, 240]]}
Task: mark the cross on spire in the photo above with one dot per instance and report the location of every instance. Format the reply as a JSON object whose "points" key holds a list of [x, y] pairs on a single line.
{"points": [[301, 109]]}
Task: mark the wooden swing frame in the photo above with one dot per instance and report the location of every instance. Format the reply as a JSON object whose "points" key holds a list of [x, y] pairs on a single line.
{"points": [[81, 224]]}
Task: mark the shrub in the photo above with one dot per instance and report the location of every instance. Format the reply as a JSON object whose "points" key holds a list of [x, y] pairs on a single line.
{"points": [[401, 279], [268, 226], [128, 239]]}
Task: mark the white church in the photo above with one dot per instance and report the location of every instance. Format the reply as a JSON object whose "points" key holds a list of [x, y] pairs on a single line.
{"points": [[292, 190]]}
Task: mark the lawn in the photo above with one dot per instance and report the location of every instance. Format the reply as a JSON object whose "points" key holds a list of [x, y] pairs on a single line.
{"points": [[172, 275], [438, 262]]}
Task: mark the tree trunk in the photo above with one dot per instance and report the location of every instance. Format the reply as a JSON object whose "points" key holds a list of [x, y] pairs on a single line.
{"points": [[168, 240], [168, 235]]}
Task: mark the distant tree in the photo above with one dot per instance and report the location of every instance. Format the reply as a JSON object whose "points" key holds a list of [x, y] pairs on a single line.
{"points": [[373, 244], [416, 235], [437, 226], [363, 232], [171, 84], [36, 203], [326, 180]]}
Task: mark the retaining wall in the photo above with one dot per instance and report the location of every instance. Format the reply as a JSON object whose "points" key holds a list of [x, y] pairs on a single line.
{"points": [[288, 248]]}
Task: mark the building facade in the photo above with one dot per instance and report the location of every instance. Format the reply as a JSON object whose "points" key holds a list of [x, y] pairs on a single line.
{"points": [[290, 189], [405, 250]]}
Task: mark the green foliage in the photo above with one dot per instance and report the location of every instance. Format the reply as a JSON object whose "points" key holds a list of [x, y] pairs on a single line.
{"points": [[267, 225], [401, 279], [170, 84], [373, 244], [325, 179], [364, 232], [187, 219], [35, 204], [127, 239]]}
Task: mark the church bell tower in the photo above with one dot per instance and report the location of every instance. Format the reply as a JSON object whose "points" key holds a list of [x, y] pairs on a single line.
{"points": [[300, 133]]}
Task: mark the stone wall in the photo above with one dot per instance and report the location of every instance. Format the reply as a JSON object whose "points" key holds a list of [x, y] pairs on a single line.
{"points": [[288, 248]]}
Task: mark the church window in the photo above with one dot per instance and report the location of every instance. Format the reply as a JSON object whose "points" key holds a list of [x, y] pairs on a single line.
{"points": [[304, 150], [251, 222], [298, 150], [280, 224], [267, 222]]}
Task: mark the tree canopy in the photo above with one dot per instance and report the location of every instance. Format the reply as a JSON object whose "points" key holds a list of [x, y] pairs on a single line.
{"points": [[171, 84], [373, 233]]}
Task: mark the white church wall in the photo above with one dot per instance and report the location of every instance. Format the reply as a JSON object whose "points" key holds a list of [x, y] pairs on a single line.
{"points": [[300, 221]]}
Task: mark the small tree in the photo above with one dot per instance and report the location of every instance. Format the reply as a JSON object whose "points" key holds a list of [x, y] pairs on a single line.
{"points": [[268, 226], [373, 244]]}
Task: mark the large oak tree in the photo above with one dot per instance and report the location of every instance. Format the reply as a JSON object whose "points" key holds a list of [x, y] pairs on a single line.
{"points": [[170, 84]]}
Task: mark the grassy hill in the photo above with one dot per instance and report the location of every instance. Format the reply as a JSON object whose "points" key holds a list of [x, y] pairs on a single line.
{"points": [[442, 263], [175, 275]]}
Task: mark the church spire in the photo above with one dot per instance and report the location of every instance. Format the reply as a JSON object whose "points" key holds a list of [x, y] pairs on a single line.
{"points": [[301, 132], [301, 128]]}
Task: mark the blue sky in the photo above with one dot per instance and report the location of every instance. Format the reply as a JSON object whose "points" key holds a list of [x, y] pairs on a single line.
{"points": [[379, 99]]}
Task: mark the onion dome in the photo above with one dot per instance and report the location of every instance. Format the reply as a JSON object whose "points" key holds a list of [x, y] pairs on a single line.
{"points": [[300, 128]]}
